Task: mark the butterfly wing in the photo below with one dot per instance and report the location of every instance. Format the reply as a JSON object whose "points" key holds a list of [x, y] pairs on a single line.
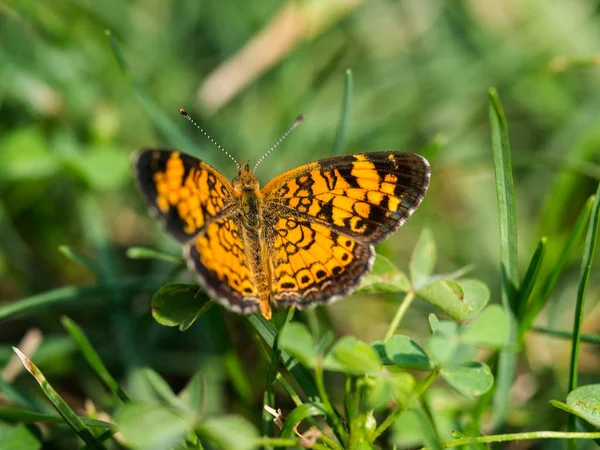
{"points": [[312, 263], [184, 192], [195, 203], [325, 216], [218, 256], [366, 196]]}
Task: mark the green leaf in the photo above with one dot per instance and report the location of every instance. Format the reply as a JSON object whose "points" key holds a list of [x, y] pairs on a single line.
{"points": [[470, 379], [447, 295], [442, 345], [459, 299], [586, 267], [585, 402], [385, 277], [509, 272], [26, 416], [423, 259], [92, 265], [61, 406], [230, 432], [434, 323], [539, 301], [490, 328], [564, 407], [405, 352], [341, 137], [192, 395], [151, 426], [92, 357], [402, 384], [531, 277], [298, 342], [179, 304], [17, 437], [441, 348], [299, 414], [379, 347], [163, 390], [302, 376], [477, 295], [351, 356]]}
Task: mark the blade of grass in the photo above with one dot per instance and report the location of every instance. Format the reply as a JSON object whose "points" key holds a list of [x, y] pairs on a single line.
{"points": [[531, 276], [341, 137], [539, 301], [66, 294], [269, 395], [587, 338], [160, 119], [92, 265], [302, 376], [92, 357], [61, 406], [508, 251], [586, 265], [25, 416], [150, 253]]}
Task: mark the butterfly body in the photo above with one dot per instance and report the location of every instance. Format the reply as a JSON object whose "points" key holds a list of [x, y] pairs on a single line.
{"points": [[306, 238]]}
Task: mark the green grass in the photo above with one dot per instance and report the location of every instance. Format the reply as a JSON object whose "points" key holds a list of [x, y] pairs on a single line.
{"points": [[496, 258]]}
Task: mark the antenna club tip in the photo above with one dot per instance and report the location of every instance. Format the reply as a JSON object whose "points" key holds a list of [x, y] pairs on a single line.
{"points": [[300, 119], [183, 112]]}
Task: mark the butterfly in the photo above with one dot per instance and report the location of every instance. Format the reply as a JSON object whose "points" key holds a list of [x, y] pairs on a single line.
{"points": [[306, 238]]}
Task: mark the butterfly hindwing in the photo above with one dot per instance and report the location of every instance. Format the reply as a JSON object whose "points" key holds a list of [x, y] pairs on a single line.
{"points": [[365, 196], [218, 256], [184, 192], [314, 264]]}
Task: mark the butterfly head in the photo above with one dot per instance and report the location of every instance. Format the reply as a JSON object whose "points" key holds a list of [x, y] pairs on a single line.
{"points": [[245, 180]]}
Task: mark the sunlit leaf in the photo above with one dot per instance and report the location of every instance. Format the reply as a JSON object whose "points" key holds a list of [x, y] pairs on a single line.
{"points": [[298, 342], [585, 402], [471, 379], [405, 352], [385, 277], [351, 356], [179, 304], [151, 426], [489, 328], [230, 432], [17, 437]]}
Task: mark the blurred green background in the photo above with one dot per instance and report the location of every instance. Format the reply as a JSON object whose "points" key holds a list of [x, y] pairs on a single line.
{"points": [[71, 114]]}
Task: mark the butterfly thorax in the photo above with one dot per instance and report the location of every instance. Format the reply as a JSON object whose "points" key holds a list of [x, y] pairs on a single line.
{"points": [[246, 186]]}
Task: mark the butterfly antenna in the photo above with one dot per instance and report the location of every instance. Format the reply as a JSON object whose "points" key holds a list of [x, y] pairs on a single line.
{"points": [[184, 113], [297, 122]]}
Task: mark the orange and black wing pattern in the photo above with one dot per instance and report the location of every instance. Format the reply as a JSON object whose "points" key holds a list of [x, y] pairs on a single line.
{"points": [[313, 264], [218, 256], [185, 193], [365, 196]]}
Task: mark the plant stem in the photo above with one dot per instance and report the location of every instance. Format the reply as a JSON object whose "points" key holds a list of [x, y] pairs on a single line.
{"points": [[395, 414], [519, 437], [406, 302], [277, 442], [337, 427]]}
